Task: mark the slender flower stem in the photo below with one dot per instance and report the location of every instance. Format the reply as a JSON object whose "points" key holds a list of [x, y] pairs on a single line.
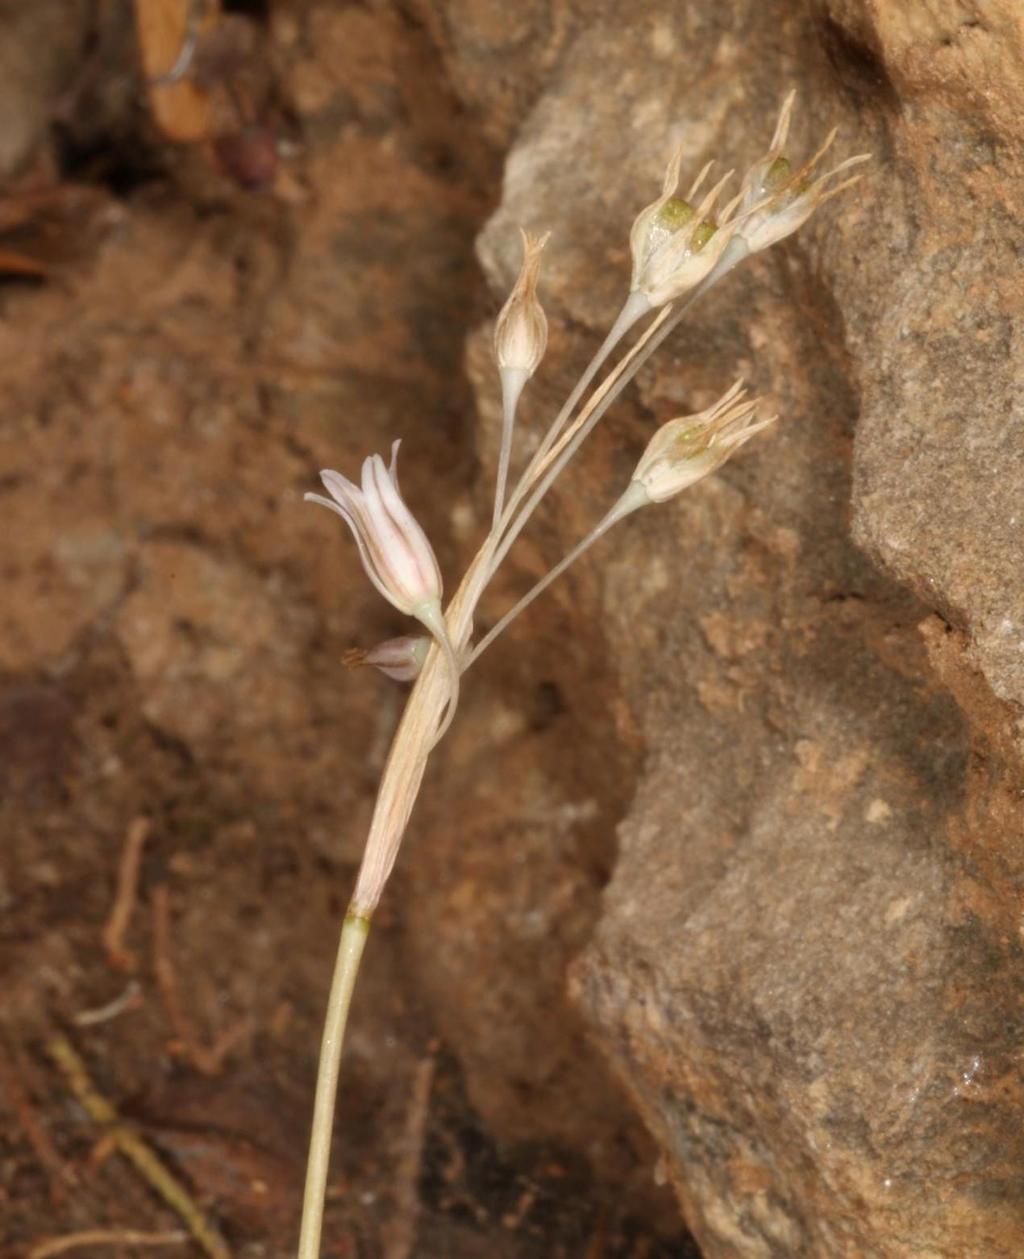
{"points": [[628, 503], [350, 950], [578, 432], [634, 308], [396, 796], [512, 382]]}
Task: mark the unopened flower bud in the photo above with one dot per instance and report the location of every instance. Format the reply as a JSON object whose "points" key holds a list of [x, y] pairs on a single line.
{"points": [[687, 449], [520, 339], [521, 332], [398, 658], [776, 200]]}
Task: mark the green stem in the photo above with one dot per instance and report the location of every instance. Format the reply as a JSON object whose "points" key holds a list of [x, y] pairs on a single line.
{"points": [[346, 967]]}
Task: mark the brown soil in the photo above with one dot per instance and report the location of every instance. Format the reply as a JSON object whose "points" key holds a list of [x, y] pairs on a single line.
{"points": [[187, 333]]}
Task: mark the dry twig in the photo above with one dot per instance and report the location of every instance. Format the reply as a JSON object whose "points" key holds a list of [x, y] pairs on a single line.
{"points": [[125, 897], [128, 1000], [131, 1145], [103, 1237], [57, 1171]]}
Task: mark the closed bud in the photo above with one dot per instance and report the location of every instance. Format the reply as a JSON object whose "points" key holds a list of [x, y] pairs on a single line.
{"points": [[398, 658], [521, 332]]}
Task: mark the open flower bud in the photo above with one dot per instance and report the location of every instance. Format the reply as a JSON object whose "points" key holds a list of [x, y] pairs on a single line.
{"points": [[687, 449], [675, 245], [521, 332], [394, 549], [776, 199], [398, 658]]}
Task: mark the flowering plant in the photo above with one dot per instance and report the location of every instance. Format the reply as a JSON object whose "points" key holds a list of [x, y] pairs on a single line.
{"points": [[679, 251]]}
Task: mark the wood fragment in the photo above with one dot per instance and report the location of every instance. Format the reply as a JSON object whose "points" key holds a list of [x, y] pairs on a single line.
{"points": [[57, 1171], [125, 896], [166, 28], [103, 1237], [134, 1149], [128, 1000], [12, 263]]}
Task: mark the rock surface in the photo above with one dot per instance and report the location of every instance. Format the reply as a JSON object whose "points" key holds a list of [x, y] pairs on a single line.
{"points": [[808, 965]]}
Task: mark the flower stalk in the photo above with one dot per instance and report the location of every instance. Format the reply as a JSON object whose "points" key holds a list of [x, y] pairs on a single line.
{"points": [[400, 783], [350, 952]]}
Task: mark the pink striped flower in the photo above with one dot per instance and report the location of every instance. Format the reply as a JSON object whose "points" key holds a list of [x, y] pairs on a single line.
{"points": [[394, 549]]}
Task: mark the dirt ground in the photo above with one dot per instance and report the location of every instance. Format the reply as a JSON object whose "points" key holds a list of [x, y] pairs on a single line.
{"points": [[192, 322]]}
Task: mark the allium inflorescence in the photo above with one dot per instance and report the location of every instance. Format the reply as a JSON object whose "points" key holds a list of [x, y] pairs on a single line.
{"points": [[680, 247]]}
